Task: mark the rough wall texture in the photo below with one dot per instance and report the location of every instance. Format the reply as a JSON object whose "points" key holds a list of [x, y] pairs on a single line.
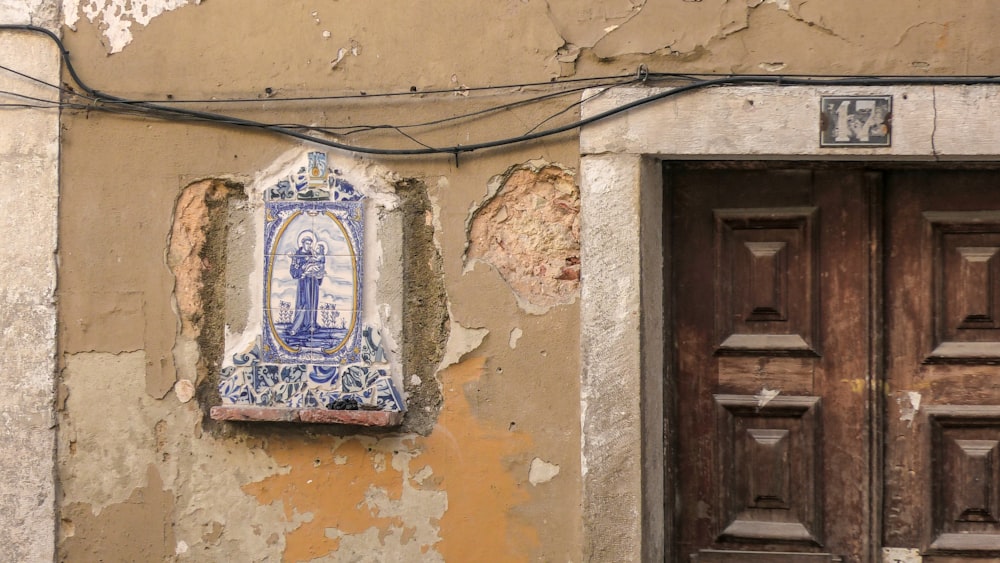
{"points": [[529, 230], [492, 469], [29, 171]]}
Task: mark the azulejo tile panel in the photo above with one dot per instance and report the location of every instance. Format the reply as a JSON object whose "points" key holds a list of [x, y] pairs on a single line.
{"points": [[314, 349], [313, 280]]}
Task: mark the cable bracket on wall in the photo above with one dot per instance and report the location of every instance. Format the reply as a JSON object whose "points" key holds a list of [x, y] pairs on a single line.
{"points": [[642, 73]]}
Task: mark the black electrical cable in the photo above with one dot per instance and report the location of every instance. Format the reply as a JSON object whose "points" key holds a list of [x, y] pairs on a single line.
{"points": [[410, 93], [208, 116], [579, 103], [26, 106], [162, 111], [53, 103], [351, 129], [34, 79], [346, 130]]}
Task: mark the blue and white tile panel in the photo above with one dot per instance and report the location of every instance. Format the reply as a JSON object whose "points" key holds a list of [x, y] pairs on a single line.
{"points": [[313, 350]]}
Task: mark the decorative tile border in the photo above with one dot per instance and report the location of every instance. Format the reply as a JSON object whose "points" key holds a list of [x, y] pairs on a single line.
{"points": [[314, 355], [364, 385]]}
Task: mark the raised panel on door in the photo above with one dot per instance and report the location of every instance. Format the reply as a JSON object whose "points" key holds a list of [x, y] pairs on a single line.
{"points": [[942, 472], [771, 328]]}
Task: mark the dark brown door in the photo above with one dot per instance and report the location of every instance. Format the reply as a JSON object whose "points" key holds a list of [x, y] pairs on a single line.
{"points": [[806, 428], [771, 274], [942, 418]]}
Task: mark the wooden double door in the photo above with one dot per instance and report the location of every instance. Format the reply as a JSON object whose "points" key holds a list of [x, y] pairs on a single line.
{"points": [[835, 393]]}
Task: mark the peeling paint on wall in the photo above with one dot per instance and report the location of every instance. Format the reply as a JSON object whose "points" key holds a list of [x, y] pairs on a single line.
{"points": [[461, 341], [127, 461], [149, 507], [115, 17], [445, 497], [515, 334], [583, 25], [528, 228], [541, 471]]}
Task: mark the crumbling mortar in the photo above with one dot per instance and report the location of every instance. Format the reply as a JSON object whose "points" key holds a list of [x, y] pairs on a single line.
{"points": [[211, 337], [208, 322], [426, 321]]}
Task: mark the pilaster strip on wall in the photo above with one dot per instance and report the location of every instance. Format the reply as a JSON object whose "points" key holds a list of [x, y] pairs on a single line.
{"points": [[29, 172]]}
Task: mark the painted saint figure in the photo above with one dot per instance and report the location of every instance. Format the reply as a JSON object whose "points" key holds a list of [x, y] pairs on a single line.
{"points": [[308, 268]]}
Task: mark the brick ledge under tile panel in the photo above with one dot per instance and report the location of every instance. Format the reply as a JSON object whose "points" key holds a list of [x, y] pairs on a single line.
{"points": [[319, 416]]}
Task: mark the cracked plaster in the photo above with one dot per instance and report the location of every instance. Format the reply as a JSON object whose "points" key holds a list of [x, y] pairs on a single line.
{"points": [[104, 454], [753, 35], [594, 39]]}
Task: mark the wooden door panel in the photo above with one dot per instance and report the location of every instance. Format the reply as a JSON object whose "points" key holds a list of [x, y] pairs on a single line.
{"points": [[965, 492], [771, 316], [965, 248], [765, 290], [942, 472], [783, 435], [749, 374], [769, 467]]}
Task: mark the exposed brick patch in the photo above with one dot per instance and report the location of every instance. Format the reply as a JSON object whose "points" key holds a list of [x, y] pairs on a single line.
{"points": [[530, 232]]}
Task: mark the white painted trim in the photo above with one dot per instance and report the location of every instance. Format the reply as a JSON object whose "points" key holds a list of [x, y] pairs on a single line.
{"points": [[622, 314]]}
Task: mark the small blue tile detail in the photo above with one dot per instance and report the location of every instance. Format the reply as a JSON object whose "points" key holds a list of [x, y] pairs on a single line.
{"points": [[325, 375], [389, 398]]}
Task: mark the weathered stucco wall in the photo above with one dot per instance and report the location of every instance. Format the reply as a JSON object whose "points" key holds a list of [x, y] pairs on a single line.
{"points": [[489, 467], [29, 167]]}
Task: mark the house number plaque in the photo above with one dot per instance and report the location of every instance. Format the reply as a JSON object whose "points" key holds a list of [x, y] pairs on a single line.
{"points": [[855, 121]]}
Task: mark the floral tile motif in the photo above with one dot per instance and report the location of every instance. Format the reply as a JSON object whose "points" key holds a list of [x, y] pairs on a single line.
{"points": [[250, 381], [313, 351], [387, 395]]}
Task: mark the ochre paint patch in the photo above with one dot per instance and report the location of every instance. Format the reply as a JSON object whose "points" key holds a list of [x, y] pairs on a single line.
{"points": [[473, 457], [352, 484], [332, 495]]}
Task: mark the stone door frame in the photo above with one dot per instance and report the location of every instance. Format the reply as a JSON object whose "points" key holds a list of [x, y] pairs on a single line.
{"points": [[623, 459]]}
